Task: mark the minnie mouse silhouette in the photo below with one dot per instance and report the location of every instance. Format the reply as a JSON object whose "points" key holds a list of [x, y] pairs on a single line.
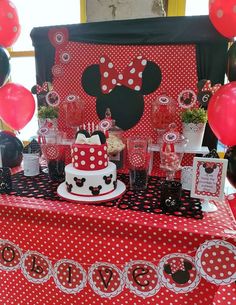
{"points": [[205, 92], [181, 275], [121, 92], [209, 167]]}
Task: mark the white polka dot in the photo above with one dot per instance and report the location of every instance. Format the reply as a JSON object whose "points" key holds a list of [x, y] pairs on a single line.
{"points": [[105, 74], [130, 81], [91, 150], [76, 157], [139, 57], [220, 13], [10, 15], [120, 76], [113, 81], [105, 156], [104, 87], [76, 164], [105, 163], [100, 153], [130, 64], [72, 151], [231, 197], [12, 5], [100, 162], [102, 60], [92, 158], [140, 74], [144, 62], [75, 149], [92, 166], [82, 153], [110, 65], [82, 162], [132, 71], [105, 148], [137, 88]]}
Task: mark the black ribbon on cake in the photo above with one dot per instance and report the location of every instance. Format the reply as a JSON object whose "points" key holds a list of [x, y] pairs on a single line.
{"points": [[148, 201]]}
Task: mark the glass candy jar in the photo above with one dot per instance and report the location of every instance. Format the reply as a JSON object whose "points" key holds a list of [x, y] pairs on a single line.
{"points": [[172, 149], [74, 111], [162, 114], [115, 143]]}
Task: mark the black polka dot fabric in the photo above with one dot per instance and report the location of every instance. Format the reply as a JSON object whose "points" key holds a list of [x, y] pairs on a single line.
{"points": [[148, 201]]}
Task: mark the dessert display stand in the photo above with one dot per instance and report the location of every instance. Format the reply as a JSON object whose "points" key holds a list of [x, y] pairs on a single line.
{"points": [[126, 250]]}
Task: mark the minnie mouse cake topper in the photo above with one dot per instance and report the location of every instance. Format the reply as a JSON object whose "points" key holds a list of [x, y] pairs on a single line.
{"points": [[122, 92]]}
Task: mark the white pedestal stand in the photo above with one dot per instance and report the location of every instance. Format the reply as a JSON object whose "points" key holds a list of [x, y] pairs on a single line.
{"points": [[208, 206]]}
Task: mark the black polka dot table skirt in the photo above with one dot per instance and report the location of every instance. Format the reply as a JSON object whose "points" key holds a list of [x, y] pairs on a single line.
{"points": [[149, 200]]}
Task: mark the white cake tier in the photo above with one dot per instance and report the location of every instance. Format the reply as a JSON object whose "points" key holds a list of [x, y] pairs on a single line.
{"points": [[91, 183]]}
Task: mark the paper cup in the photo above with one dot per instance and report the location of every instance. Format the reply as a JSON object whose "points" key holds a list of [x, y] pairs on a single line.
{"points": [[31, 165], [186, 177]]}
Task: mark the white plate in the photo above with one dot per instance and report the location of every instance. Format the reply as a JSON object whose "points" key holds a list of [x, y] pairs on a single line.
{"points": [[118, 192]]}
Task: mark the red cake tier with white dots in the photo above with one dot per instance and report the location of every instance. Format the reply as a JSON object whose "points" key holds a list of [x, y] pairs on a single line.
{"points": [[89, 157]]}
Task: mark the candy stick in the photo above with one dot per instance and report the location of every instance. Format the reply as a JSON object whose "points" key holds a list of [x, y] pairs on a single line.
{"points": [[89, 127], [1, 155]]}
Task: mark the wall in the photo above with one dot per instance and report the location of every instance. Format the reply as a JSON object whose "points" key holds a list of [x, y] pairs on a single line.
{"points": [[100, 10]]}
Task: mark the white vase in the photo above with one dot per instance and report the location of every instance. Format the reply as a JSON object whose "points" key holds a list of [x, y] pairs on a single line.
{"points": [[51, 124], [194, 133]]}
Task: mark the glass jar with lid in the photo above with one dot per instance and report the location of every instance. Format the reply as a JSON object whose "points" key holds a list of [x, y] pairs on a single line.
{"points": [[116, 145], [74, 111], [163, 113]]}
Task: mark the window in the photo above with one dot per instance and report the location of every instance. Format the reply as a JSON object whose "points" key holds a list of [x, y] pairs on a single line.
{"points": [[199, 7], [33, 14]]}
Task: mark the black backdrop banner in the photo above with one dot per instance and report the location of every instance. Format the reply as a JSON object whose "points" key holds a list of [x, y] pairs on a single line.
{"points": [[211, 47]]}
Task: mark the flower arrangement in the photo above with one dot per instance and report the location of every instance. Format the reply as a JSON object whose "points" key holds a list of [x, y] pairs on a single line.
{"points": [[48, 112], [195, 116]]}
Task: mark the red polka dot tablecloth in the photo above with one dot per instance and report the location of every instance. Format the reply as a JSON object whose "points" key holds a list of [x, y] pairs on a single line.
{"points": [[63, 253]]}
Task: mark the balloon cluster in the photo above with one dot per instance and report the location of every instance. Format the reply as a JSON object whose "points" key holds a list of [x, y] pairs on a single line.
{"points": [[222, 105], [17, 104]]}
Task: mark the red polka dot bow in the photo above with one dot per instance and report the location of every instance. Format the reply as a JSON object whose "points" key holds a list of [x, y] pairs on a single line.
{"points": [[131, 76], [43, 88], [207, 87], [177, 265]]}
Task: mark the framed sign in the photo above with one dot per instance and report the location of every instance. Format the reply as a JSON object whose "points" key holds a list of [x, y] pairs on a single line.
{"points": [[208, 178]]}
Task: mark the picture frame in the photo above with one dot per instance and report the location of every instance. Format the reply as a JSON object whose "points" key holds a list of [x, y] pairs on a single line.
{"points": [[208, 180]]}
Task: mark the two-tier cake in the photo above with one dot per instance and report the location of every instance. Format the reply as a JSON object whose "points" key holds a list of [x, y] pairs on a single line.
{"points": [[90, 173]]}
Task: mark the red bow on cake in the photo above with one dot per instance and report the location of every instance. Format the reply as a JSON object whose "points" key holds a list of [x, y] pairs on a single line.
{"points": [[131, 77]]}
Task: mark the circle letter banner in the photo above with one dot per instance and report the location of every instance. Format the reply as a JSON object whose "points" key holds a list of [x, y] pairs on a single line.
{"points": [[69, 276], [106, 279], [216, 262], [36, 267], [141, 278], [178, 273], [10, 256]]}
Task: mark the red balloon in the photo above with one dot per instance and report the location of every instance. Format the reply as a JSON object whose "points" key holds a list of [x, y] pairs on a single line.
{"points": [[9, 23], [222, 114], [17, 105], [222, 14]]}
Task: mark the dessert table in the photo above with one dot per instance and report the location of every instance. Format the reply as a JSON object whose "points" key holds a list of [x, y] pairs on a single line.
{"points": [[57, 252]]}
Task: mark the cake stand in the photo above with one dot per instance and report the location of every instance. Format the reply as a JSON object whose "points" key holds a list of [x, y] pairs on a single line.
{"points": [[118, 192]]}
